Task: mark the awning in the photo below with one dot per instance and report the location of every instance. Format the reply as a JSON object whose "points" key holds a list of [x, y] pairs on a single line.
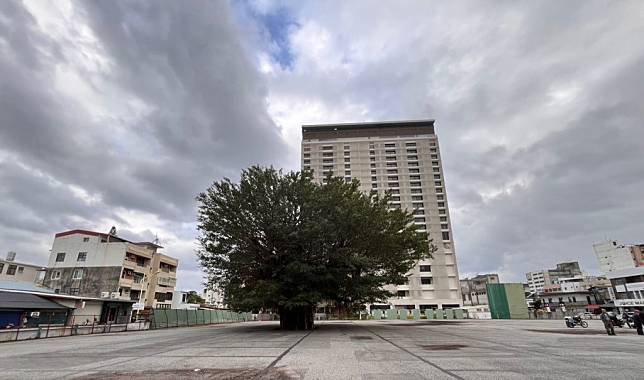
{"points": [[25, 301]]}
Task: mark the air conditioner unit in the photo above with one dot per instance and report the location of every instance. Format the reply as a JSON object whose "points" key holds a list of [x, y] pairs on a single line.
{"points": [[105, 294], [114, 295]]}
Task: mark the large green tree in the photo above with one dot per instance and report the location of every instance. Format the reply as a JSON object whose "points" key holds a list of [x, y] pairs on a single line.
{"points": [[282, 242]]}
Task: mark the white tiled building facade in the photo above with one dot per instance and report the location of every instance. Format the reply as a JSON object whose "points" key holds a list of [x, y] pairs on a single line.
{"points": [[403, 157]]}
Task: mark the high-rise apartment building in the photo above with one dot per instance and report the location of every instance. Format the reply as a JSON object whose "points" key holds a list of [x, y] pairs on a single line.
{"points": [[404, 158]]}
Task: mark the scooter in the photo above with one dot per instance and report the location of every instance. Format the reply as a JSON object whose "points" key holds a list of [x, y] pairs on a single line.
{"points": [[617, 322], [575, 320]]}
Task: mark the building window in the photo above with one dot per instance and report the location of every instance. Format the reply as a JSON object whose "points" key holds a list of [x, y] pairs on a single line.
{"points": [[392, 171], [394, 206], [77, 274], [437, 176], [412, 158], [413, 163], [418, 212], [21, 270], [434, 163], [432, 143], [327, 160], [347, 172], [307, 167], [85, 239], [414, 177], [439, 190], [372, 165], [395, 199], [390, 145], [1, 267], [410, 144], [11, 270], [444, 227], [82, 256], [306, 149], [347, 166], [328, 147], [401, 293], [60, 256], [417, 198], [441, 204], [390, 158], [443, 219], [393, 184], [425, 268], [374, 185], [347, 147], [374, 178], [419, 220], [390, 151], [394, 191], [55, 275], [417, 205], [434, 156], [417, 184], [327, 167], [74, 291], [392, 178], [392, 164], [438, 183], [445, 235], [347, 153], [347, 160], [372, 152], [307, 162], [373, 172], [372, 159], [426, 280], [440, 197], [347, 179], [327, 154], [307, 155], [412, 151], [436, 170], [416, 170], [421, 227], [442, 211], [432, 150]]}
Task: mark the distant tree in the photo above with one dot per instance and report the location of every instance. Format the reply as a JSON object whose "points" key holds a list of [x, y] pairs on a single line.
{"points": [[193, 297], [282, 242]]}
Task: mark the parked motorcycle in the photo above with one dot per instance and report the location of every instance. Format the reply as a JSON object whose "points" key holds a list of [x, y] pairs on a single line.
{"points": [[617, 322], [575, 320]]}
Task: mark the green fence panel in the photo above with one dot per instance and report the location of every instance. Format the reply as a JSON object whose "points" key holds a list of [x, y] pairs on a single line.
{"points": [[200, 319], [416, 314], [449, 313], [403, 314], [458, 313], [377, 314], [517, 307], [392, 314], [498, 301], [430, 314], [440, 314]]}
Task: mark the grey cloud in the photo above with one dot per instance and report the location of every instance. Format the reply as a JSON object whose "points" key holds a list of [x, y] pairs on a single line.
{"points": [[199, 114]]}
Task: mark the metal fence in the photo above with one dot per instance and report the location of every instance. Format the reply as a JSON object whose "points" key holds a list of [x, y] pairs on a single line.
{"points": [[164, 318], [52, 326]]}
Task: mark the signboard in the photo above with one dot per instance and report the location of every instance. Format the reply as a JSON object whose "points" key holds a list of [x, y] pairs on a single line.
{"points": [[35, 314], [629, 302], [138, 306]]}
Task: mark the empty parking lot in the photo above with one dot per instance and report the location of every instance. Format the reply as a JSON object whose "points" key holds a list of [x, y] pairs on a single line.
{"points": [[337, 350]]}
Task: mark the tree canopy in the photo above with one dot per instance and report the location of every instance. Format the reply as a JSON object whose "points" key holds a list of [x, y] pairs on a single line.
{"points": [[282, 242]]}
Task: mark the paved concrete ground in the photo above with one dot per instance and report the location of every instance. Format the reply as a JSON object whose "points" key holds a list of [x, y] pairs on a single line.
{"points": [[337, 350]]}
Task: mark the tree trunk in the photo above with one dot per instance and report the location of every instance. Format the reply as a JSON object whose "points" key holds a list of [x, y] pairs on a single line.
{"points": [[296, 318]]}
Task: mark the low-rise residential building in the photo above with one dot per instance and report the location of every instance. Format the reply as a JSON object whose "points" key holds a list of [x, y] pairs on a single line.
{"points": [[93, 264], [11, 270], [474, 290], [180, 301], [162, 282]]}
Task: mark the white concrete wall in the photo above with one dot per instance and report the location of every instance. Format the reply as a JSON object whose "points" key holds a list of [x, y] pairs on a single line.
{"points": [[98, 254], [29, 272], [613, 256]]}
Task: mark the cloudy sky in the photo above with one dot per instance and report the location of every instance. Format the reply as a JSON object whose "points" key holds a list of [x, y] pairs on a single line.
{"points": [[120, 112]]}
